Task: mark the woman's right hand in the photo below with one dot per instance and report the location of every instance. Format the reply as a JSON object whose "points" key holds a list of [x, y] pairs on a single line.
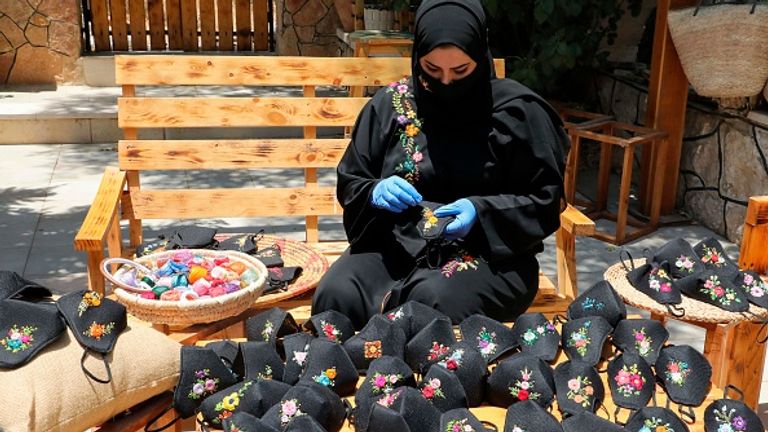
{"points": [[394, 194]]}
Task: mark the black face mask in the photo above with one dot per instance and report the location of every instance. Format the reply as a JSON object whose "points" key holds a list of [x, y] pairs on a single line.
{"points": [[453, 92]]}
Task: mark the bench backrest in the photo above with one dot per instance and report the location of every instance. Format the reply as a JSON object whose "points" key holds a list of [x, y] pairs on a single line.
{"points": [[137, 112]]}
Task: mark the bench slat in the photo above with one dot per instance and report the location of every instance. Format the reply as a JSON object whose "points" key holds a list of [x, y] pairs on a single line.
{"points": [[230, 154], [215, 203], [140, 112]]}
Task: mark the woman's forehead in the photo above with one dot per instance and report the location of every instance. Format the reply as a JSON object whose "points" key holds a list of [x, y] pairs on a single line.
{"points": [[447, 55]]}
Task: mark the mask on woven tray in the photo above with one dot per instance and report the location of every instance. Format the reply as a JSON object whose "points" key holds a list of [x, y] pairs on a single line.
{"points": [[491, 338], [731, 415], [242, 422], [578, 387], [329, 365], [683, 260], [587, 421], [261, 361], [655, 418], [385, 375], [460, 419], [469, 367], [280, 277], [644, 337], [96, 322], [521, 377], [428, 345], [412, 316], [185, 237], [12, 285], [599, 300], [311, 399], [755, 289], [717, 288], [655, 281], [271, 256], [712, 254], [685, 375], [246, 243], [405, 405], [270, 325], [430, 226], [536, 336], [529, 416], [631, 381], [443, 389], [331, 325], [25, 329], [296, 350], [583, 338], [252, 397], [378, 338]]}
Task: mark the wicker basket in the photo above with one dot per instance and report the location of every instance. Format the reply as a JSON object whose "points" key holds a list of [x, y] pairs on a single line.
{"points": [[722, 48], [183, 313]]}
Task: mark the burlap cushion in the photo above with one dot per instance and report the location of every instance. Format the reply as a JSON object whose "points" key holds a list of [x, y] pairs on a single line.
{"points": [[51, 392]]}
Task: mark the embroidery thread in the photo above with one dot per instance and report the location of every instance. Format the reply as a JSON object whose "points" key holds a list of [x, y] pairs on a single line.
{"points": [[716, 292], [326, 377], [677, 372], [266, 333], [522, 389], [396, 315], [684, 264], [288, 410], [753, 286], [230, 403], [642, 342], [659, 280], [711, 256], [90, 299], [453, 361], [204, 384], [19, 338], [388, 399], [459, 426], [727, 422], [97, 330], [373, 349], [630, 382], [410, 126], [580, 391], [430, 220], [580, 339], [330, 331], [590, 303], [437, 351], [384, 383], [486, 343], [432, 390], [532, 335], [463, 261], [267, 374], [654, 424]]}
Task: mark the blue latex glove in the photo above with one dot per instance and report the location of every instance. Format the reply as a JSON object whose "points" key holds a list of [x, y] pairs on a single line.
{"points": [[394, 194], [465, 213]]}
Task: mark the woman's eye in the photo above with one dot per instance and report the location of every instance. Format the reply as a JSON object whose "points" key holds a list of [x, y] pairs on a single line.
{"points": [[432, 68], [460, 70]]}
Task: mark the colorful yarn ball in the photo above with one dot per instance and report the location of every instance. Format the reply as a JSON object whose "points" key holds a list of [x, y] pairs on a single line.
{"points": [[165, 281], [201, 287], [189, 296], [217, 291], [237, 267], [171, 295], [149, 295], [219, 273], [184, 256], [179, 280], [231, 286], [159, 290], [197, 272]]}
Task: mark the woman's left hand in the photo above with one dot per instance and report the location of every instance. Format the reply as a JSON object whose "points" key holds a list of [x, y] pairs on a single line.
{"points": [[465, 213]]}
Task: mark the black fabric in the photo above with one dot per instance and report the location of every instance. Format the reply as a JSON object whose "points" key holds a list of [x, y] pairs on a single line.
{"points": [[712, 254], [410, 405], [491, 338], [331, 325], [270, 325], [308, 398], [262, 362], [430, 226], [755, 289], [244, 422], [380, 337], [281, 277], [271, 256], [578, 387], [655, 417], [429, 344], [229, 353], [26, 329], [521, 377], [443, 388], [583, 338], [202, 374], [296, 350], [599, 300], [537, 336], [681, 257], [188, 237], [460, 419], [655, 281], [631, 381], [684, 373], [13, 285], [530, 417], [383, 419], [716, 287], [328, 364], [304, 424], [412, 316], [734, 413], [246, 243], [644, 337], [384, 376], [252, 397], [587, 421], [469, 366]]}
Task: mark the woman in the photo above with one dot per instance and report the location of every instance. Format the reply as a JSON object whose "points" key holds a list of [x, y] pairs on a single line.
{"points": [[489, 149]]}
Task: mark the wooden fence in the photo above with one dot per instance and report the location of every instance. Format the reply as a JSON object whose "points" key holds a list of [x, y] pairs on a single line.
{"points": [[188, 25]]}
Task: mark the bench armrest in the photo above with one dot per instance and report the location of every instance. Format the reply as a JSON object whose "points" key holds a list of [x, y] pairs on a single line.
{"points": [[576, 223], [97, 222]]}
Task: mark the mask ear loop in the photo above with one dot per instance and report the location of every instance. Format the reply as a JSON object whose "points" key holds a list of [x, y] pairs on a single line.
{"points": [[157, 417], [687, 414], [675, 310], [735, 389], [490, 427], [604, 409], [623, 252], [616, 415], [349, 411], [763, 327], [91, 375]]}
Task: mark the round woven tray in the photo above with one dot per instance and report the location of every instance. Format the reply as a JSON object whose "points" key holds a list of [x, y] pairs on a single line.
{"points": [[182, 313], [694, 310]]}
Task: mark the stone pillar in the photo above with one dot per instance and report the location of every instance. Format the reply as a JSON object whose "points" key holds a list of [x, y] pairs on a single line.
{"points": [[39, 41], [306, 28]]}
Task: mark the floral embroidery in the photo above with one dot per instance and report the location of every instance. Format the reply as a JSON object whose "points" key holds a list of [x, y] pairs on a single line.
{"points": [[301, 356], [461, 262], [267, 374], [383, 383], [230, 403], [373, 349], [590, 303], [684, 263], [659, 280], [267, 332], [388, 399], [522, 388], [204, 384], [532, 335], [410, 127], [430, 220], [90, 299], [288, 410], [654, 424], [580, 391], [727, 422], [712, 256], [630, 381], [436, 351], [753, 286], [396, 315], [453, 361], [330, 331], [580, 339], [716, 292], [459, 426], [642, 342], [234, 428], [677, 372], [486, 343], [326, 377], [19, 338], [432, 390], [97, 330]]}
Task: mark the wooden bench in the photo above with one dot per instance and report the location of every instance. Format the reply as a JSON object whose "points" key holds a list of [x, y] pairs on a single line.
{"points": [[121, 195]]}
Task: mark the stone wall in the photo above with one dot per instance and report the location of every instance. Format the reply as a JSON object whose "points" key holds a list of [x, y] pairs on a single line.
{"points": [[306, 27], [39, 41]]}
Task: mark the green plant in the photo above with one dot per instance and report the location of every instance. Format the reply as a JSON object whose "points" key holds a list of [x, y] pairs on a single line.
{"points": [[550, 44]]}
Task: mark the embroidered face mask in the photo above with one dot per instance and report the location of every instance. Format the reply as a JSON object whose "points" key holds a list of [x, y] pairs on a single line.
{"points": [[755, 289], [295, 352], [684, 373], [12, 285], [587, 421], [655, 281], [460, 420], [464, 361], [681, 257], [430, 344], [521, 377], [599, 300], [717, 288], [528, 416], [384, 419], [331, 325], [443, 389], [25, 329], [654, 419], [262, 362], [380, 337], [408, 403], [583, 338], [631, 381], [246, 243], [229, 353], [384, 376], [537, 336], [643, 337], [311, 399], [578, 387], [731, 415], [252, 397], [270, 325], [242, 422], [491, 338], [430, 226], [271, 256], [412, 317], [328, 364], [304, 424], [712, 254]]}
